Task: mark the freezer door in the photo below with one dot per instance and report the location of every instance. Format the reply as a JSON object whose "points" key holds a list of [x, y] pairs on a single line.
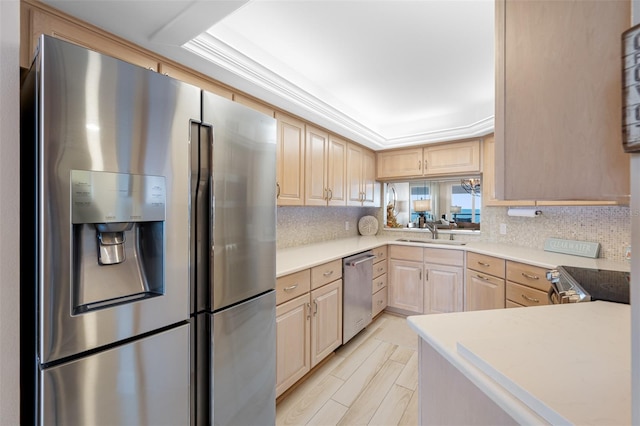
{"points": [[145, 382], [243, 200], [244, 363]]}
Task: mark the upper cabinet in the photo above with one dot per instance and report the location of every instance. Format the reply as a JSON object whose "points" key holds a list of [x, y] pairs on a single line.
{"points": [[37, 19], [558, 100], [362, 188], [325, 169], [434, 160], [290, 149]]}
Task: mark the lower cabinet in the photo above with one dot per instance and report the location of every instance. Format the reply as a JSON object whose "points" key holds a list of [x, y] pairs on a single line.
{"points": [[308, 327], [406, 289], [293, 342], [379, 284], [425, 280], [326, 321], [526, 285], [484, 283]]}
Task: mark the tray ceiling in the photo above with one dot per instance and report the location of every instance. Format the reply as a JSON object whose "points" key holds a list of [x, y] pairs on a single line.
{"points": [[383, 73]]}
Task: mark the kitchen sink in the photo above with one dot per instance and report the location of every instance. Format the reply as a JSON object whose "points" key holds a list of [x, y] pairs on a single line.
{"points": [[436, 242]]}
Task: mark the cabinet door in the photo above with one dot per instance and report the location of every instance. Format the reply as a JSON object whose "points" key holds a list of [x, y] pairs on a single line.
{"points": [[400, 163], [337, 171], [483, 291], [370, 188], [489, 177], [290, 161], [293, 350], [326, 320], [444, 287], [405, 287], [462, 157], [315, 168], [558, 90], [354, 173]]}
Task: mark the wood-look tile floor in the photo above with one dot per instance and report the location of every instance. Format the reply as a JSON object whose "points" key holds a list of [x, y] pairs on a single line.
{"points": [[372, 380]]}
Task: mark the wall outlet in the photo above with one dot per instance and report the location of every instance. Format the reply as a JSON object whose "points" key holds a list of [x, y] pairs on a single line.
{"points": [[346, 226], [503, 229]]}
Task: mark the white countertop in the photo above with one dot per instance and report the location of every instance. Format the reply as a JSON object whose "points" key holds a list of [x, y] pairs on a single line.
{"points": [[566, 363], [295, 259]]}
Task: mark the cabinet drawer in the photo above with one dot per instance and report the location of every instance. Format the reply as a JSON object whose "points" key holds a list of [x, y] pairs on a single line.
{"points": [[379, 283], [526, 295], [378, 302], [324, 274], [292, 285], [444, 256], [510, 304], [532, 276], [406, 253], [487, 264], [380, 253], [379, 269]]}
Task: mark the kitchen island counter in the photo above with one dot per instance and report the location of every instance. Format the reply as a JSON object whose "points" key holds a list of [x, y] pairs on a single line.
{"points": [[558, 364]]}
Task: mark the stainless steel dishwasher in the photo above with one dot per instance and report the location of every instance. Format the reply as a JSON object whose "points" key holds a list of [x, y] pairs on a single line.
{"points": [[357, 275]]}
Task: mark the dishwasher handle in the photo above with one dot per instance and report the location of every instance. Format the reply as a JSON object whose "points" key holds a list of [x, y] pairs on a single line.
{"points": [[362, 260]]}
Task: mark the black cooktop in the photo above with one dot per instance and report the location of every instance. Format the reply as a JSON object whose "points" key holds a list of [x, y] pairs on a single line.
{"points": [[601, 284]]}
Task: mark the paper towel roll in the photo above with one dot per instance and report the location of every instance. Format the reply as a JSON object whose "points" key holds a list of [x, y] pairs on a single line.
{"points": [[524, 212]]}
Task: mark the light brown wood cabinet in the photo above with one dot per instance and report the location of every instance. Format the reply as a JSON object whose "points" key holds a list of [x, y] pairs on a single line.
{"points": [[484, 282], [425, 280], [293, 342], [290, 153], [489, 184], [325, 169], [362, 188], [558, 100], [308, 321], [432, 160], [39, 19], [406, 287], [444, 284], [526, 284], [379, 284]]}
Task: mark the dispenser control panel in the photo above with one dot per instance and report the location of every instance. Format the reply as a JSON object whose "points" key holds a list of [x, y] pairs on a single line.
{"points": [[104, 197]]}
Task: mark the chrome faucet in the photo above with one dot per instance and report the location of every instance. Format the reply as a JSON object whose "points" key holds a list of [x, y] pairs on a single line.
{"points": [[433, 227]]}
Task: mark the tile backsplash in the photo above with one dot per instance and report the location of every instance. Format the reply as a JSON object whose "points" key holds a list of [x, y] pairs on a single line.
{"points": [[307, 225], [608, 225]]}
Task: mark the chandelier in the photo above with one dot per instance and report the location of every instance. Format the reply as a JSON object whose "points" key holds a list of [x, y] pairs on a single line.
{"points": [[472, 186]]}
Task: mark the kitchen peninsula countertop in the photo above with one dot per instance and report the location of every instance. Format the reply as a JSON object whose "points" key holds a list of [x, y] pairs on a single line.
{"points": [[567, 364], [294, 259]]}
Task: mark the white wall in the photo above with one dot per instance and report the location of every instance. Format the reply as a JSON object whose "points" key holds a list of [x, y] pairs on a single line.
{"points": [[9, 211]]}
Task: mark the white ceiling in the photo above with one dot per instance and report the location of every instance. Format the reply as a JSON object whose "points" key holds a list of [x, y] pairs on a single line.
{"points": [[383, 73]]}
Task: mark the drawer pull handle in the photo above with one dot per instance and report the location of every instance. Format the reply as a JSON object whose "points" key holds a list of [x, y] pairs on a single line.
{"points": [[326, 274], [380, 269], [530, 299], [482, 277], [291, 288], [483, 264], [308, 305], [379, 302], [531, 277], [380, 283]]}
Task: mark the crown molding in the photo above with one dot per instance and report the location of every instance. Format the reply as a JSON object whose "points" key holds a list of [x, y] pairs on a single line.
{"points": [[226, 57]]}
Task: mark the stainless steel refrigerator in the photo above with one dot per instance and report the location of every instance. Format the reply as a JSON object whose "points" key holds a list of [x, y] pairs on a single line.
{"points": [[233, 264], [107, 257]]}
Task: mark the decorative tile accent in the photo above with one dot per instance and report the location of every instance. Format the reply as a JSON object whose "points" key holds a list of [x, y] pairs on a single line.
{"points": [[608, 225]]}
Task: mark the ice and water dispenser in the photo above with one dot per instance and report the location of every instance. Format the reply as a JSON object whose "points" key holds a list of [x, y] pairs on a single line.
{"points": [[118, 241]]}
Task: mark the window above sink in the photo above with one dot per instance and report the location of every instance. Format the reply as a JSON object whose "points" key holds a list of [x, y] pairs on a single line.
{"points": [[454, 204]]}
